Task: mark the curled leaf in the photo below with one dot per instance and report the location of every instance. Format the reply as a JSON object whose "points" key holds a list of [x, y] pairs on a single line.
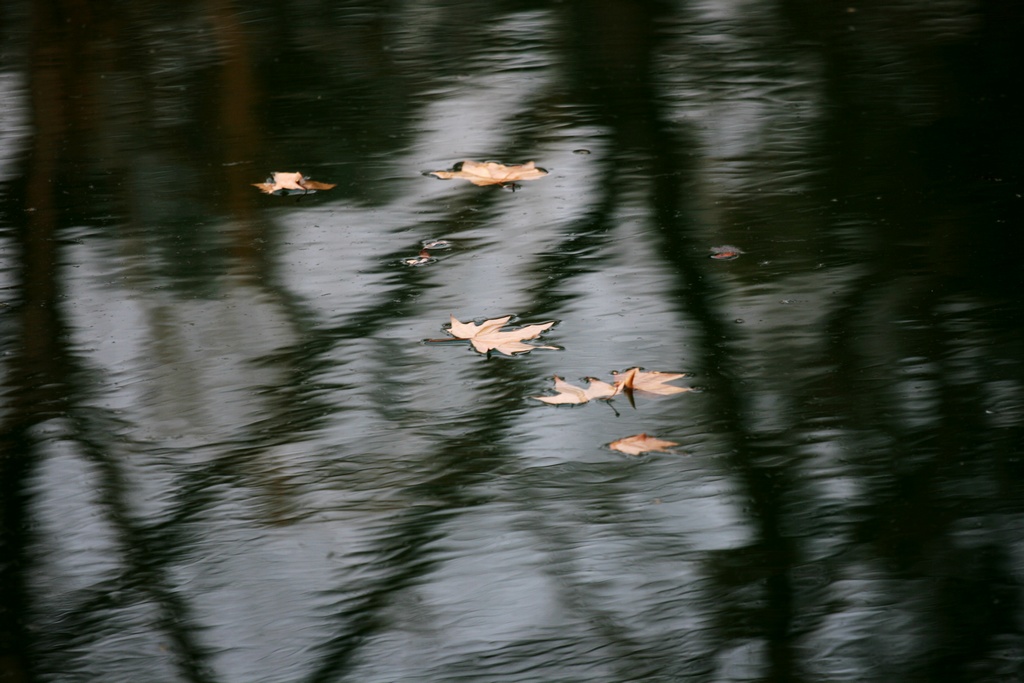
{"points": [[573, 395], [421, 259], [628, 382], [638, 444], [649, 382], [491, 172], [291, 183]]}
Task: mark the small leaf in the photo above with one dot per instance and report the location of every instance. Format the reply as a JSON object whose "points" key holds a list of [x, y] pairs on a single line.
{"points": [[726, 252], [283, 183], [491, 173], [638, 444], [421, 259], [573, 395]]}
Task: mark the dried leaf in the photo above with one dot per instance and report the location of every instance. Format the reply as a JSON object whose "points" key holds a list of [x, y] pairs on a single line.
{"points": [[628, 382], [573, 395], [291, 183], [421, 259], [638, 444], [491, 172], [651, 382], [726, 252], [488, 335]]}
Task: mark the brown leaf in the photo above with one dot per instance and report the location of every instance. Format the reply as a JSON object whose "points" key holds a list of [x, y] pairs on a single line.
{"points": [[638, 444], [573, 395], [491, 172], [422, 259], [726, 252], [290, 183], [652, 382], [488, 336]]}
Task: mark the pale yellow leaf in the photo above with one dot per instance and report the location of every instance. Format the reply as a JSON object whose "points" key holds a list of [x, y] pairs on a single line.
{"points": [[651, 382], [638, 444], [288, 182], [491, 172], [573, 395], [488, 335]]}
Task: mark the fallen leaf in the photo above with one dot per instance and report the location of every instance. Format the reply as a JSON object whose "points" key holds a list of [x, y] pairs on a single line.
{"points": [[422, 259], [628, 382], [573, 395], [491, 173], [290, 183], [638, 444], [726, 252], [650, 382], [488, 335]]}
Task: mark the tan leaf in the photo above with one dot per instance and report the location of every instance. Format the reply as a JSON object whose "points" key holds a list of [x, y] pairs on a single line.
{"points": [[488, 335], [651, 382], [290, 183], [638, 444], [491, 172], [573, 395]]}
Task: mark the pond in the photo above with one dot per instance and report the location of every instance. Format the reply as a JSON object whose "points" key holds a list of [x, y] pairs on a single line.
{"points": [[234, 450]]}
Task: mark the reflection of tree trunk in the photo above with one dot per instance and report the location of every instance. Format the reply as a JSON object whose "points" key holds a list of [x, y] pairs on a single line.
{"points": [[37, 382], [44, 381], [959, 193], [237, 132], [616, 51]]}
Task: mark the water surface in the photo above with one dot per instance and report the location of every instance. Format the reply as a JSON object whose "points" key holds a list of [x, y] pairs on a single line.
{"points": [[228, 455]]}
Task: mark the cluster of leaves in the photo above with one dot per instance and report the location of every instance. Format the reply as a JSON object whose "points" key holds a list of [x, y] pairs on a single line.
{"points": [[634, 380], [495, 334], [476, 172], [492, 335]]}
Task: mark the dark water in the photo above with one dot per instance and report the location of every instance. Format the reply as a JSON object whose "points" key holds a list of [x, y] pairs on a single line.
{"points": [[228, 457]]}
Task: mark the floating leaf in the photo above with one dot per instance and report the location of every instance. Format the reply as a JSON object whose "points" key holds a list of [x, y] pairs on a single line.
{"points": [[283, 183], [488, 335], [422, 259], [573, 395], [632, 380], [491, 173], [638, 444], [650, 382], [726, 252]]}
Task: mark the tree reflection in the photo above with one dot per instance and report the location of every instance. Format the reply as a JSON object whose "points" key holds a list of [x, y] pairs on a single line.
{"points": [[872, 458]]}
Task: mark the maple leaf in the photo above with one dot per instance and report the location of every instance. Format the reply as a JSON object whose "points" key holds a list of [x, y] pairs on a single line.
{"points": [[491, 173], [488, 335], [290, 183], [628, 382], [638, 444], [652, 382], [571, 394]]}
